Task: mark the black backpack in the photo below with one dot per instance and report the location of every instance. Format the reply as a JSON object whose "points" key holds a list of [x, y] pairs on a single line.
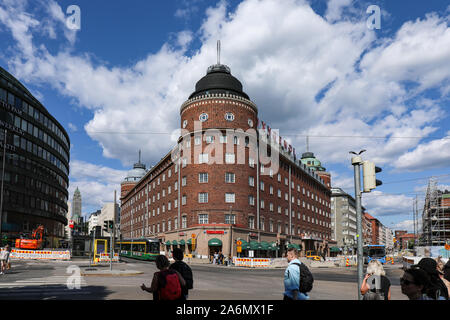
{"points": [[306, 278], [186, 273]]}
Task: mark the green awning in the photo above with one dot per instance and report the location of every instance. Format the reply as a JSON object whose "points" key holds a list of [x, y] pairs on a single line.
{"points": [[182, 242], [265, 245], [174, 242], [214, 242], [167, 243], [335, 249], [254, 245], [273, 246], [294, 245]]}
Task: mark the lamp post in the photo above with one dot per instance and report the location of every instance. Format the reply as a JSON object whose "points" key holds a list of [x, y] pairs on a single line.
{"points": [[357, 162]]}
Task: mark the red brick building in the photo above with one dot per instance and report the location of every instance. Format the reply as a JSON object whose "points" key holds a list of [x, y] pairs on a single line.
{"points": [[375, 225], [218, 185]]}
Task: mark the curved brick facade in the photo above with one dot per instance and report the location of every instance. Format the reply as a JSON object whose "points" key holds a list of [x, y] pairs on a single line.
{"points": [[223, 200]]}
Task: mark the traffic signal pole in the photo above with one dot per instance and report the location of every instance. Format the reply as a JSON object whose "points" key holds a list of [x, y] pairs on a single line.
{"points": [[356, 162]]}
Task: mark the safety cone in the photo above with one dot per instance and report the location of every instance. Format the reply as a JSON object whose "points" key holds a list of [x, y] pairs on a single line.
{"points": [[347, 263]]}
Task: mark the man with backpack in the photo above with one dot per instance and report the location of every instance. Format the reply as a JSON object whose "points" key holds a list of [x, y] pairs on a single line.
{"points": [[298, 280], [184, 270], [167, 283]]}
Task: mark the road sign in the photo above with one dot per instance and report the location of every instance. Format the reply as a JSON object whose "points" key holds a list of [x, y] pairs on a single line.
{"points": [[193, 236], [239, 243], [71, 224]]}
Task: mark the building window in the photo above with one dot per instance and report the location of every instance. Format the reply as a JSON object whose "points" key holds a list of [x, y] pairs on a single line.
{"points": [[223, 139], [262, 204], [203, 177], [209, 139], [261, 224], [236, 140], [203, 197], [197, 140], [271, 190], [251, 181], [271, 206], [175, 223], [262, 185], [271, 226], [251, 162], [230, 219], [202, 218], [279, 193], [183, 200], [184, 221], [251, 200], [229, 177], [229, 197], [251, 222]]}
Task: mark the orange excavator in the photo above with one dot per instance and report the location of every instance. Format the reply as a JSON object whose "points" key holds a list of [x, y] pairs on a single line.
{"points": [[33, 243]]}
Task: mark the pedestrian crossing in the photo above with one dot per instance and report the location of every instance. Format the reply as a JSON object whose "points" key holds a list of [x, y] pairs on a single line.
{"points": [[62, 280]]}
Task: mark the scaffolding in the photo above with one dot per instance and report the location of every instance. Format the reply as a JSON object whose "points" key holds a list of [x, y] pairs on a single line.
{"points": [[436, 216]]}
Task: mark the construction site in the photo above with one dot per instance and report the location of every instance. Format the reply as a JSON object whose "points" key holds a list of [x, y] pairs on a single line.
{"points": [[435, 216]]}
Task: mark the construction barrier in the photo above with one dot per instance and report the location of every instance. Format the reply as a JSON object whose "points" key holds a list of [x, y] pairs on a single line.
{"points": [[252, 262], [347, 263], [104, 257], [39, 254]]}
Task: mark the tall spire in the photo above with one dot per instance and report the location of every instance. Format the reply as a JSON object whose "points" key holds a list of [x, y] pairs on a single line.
{"points": [[218, 52], [139, 155], [307, 143]]}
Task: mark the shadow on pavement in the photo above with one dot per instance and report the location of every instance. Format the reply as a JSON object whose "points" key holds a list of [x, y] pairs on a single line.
{"points": [[54, 292]]}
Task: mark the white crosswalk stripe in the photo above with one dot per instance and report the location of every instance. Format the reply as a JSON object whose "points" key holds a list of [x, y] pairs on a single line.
{"points": [[51, 280]]}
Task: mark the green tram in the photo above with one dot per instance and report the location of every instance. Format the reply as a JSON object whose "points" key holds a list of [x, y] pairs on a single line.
{"points": [[142, 249]]}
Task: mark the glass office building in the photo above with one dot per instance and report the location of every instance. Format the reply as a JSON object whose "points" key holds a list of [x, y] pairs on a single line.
{"points": [[35, 168]]}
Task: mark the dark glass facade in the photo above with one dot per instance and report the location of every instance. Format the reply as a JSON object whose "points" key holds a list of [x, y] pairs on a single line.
{"points": [[36, 166]]}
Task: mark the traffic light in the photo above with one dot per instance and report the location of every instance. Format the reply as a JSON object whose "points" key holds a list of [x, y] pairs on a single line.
{"points": [[105, 226], [111, 224], [369, 172]]}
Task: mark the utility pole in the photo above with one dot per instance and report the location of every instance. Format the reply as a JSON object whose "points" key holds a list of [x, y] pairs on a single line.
{"points": [[356, 162]]}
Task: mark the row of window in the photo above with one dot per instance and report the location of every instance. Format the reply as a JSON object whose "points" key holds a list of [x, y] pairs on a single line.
{"points": [[34, 184], [33, 130], [20, 200], [21, 142], [19, 104], [229, 219], [31, 166]]}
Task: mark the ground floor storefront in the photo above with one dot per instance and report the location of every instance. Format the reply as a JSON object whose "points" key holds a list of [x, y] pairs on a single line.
{"points": [[231, 241]]}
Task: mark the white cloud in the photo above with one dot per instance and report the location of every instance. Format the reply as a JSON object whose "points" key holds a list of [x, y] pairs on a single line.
{"points": [[380, 204], [329, 79], [407, 225], [433, 154], [72, 127], [96, 183]]}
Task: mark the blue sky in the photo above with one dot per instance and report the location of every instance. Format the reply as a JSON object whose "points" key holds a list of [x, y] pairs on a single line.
{"points": [[312, 67]]}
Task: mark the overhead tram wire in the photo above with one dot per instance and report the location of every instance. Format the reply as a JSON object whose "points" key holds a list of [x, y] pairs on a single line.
{"points": [[284, 135]]}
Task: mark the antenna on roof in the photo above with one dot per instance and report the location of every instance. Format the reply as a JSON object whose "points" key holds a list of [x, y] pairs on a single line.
{"points": [[139, 155], [307, 143], [218, 51]]}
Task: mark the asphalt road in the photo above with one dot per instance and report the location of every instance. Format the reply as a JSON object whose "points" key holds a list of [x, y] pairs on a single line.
{"points": [[49, 280]]}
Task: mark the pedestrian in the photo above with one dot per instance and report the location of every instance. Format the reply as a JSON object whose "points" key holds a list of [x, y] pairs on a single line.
{"points": [[220, 257], [292, 277], [184, 270], [447, 270], [4, 258], [415, 283], [167, 284], [216, 258], [376, 290], [441, 272], [437, 288]]}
